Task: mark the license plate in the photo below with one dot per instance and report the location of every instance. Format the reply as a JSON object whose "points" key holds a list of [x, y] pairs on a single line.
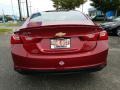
{"points": [[60, 43]]}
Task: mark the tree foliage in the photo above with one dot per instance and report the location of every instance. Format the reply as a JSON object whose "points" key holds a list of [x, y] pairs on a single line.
{"points": [[67, 4], [106, 5]]}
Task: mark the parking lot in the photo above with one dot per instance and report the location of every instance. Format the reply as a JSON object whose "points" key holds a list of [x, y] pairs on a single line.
{"points": [[107, 79]]}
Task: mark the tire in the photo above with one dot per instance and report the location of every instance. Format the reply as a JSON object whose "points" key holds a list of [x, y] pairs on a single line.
{"points": [[118, 32], [94, 70], [22, 72]]}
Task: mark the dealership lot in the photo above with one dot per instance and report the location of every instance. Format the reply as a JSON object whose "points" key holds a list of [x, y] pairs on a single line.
{"points": [[107, 79]]}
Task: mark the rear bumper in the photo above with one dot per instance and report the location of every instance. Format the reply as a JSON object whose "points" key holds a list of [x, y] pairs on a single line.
{"points": [[78, 61], [92, 68], [70, 71]]}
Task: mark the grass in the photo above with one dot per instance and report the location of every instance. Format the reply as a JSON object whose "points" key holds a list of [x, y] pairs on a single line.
{"points": [[10, 24], [3, 30]]}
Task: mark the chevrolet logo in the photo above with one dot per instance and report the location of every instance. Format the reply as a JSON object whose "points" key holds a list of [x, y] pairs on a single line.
{"points": [[60, 34]]}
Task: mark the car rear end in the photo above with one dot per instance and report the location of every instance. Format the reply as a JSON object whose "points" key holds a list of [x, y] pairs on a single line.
{"points": [[59, 47]]}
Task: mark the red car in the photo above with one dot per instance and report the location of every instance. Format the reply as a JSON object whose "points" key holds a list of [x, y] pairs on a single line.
{"points": [[62, 41]]}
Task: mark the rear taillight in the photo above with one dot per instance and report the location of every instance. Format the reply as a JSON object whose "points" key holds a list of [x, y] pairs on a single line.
{"points": [[89, 37], [15, 39], [29, 43], [28, 39], [90, 40], [31, 48], [103, 35], [94, 37], [88, 45]]}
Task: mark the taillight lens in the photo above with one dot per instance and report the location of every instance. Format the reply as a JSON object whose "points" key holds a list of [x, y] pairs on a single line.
{"points": [[30, 44], [88, 45], [89, 37], [29, 39], [31, 48], [15, 39], [90, 40], [103, 35]]}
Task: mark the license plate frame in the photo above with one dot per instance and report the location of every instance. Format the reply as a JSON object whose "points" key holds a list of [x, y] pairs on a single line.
{"points": [[60, 43]]}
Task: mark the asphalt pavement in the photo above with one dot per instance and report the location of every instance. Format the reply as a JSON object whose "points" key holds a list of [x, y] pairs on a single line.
{"points": [[107, 79]]}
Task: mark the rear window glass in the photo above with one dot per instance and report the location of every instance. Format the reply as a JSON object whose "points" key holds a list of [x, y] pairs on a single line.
{"points": [[59, 16]]}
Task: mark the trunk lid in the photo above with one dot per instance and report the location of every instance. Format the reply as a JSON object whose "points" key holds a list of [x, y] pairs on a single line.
{"points": [[38, 39]]}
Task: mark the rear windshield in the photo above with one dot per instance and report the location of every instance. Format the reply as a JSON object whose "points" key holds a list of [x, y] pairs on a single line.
{"points": [[59, 16]]}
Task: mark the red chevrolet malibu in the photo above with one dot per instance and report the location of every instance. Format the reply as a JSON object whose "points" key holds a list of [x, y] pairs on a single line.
{"points": [[59, 42]]}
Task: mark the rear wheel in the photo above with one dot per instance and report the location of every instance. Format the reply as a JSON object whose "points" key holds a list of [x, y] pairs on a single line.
{"points": [[118, 32]]}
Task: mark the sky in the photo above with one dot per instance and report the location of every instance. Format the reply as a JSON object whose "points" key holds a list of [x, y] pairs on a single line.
{"points": [[11, 6]]}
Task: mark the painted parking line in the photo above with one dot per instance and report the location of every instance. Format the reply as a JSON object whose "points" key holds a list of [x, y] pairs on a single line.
{"points": [[114, 49]]}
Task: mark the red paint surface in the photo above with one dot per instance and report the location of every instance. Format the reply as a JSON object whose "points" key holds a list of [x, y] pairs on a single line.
{"points": [[31, 51]]}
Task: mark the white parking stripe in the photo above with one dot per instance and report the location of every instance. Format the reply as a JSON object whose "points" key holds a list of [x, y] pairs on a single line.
{"points": [[114, 49]]}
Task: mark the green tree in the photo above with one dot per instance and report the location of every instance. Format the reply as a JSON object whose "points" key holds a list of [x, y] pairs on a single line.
{"points": [[67, 4], [106, 5]]}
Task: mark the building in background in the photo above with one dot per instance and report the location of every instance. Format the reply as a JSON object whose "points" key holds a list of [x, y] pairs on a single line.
{"points": [[94, 12]]}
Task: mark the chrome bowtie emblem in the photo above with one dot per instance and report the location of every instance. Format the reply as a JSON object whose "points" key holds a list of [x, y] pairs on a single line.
{"points": [[60, 34]]}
